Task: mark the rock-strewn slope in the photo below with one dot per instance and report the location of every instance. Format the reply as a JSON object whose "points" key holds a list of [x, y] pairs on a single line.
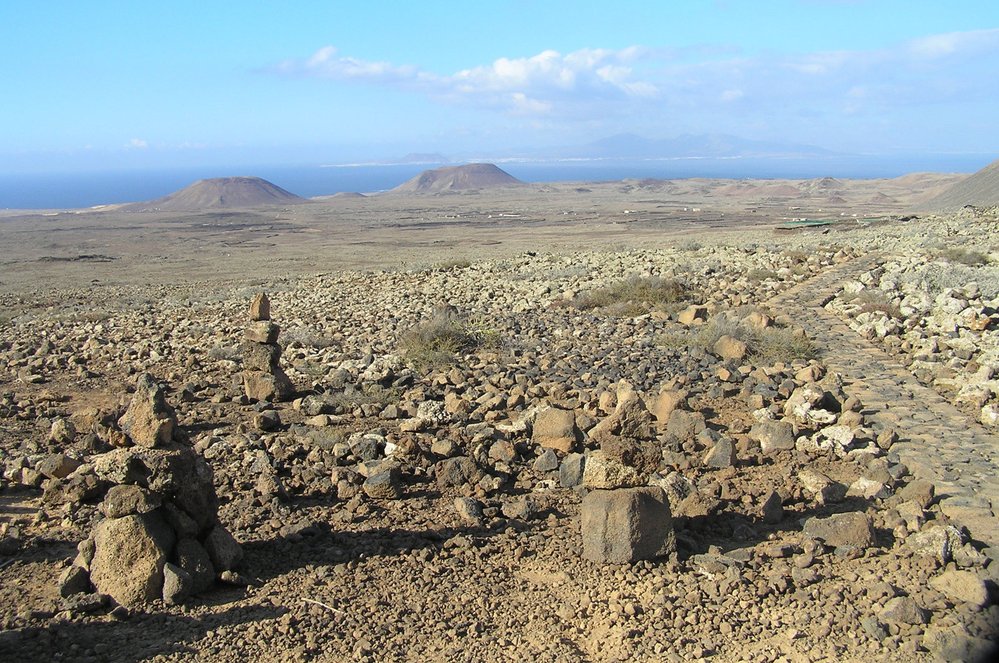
{"points": [[424, 502], [937, 308], [980, 189]]}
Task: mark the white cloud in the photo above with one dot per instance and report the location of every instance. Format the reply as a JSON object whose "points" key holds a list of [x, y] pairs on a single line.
{"points": [[521, 104], [326, 63], [537, 84], [137, 144], [696, 89], [951, 43]]}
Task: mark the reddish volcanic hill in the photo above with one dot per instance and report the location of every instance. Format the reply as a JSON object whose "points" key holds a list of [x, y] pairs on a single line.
{"points": [[457, 178], [220, 193]]}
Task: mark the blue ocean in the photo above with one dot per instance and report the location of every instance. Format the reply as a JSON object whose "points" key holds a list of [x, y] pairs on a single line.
{"points": [[87, 189]]}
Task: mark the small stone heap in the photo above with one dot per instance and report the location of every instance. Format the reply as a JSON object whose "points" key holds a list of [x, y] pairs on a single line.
{"points": [[624, 521], [263, 379], [160, 536]]}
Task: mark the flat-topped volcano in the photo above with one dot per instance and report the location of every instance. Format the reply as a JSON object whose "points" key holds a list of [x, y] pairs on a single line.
{"points": [[980, 189], [220, 193], [457, 178]]}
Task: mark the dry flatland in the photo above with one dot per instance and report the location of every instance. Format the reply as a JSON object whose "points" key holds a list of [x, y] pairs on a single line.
{"points": [[816, 406]]}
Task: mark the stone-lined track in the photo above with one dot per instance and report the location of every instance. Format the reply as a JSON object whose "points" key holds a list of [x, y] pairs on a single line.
{"points": [[937, 441]]}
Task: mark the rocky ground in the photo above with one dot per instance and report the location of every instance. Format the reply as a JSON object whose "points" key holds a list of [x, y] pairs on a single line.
{"points": [[937, 308], [419, 496]]}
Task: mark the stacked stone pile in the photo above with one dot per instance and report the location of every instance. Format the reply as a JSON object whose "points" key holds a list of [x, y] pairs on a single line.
{"points": [[622, 520], [160, 537], [263, 377]]}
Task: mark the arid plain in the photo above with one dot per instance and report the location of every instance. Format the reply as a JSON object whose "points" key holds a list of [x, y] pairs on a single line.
{"points": [[815, 405], [410, 230]]}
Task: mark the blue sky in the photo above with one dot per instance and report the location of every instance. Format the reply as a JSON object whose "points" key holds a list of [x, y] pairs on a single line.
{"points": [[137, 84]]}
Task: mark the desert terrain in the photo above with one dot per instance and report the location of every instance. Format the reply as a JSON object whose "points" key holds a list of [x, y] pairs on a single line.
{"points": [[806, 372]]}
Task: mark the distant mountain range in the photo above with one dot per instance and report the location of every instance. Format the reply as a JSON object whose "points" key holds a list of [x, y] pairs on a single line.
{"points": [[626, 146], [631, 146]]}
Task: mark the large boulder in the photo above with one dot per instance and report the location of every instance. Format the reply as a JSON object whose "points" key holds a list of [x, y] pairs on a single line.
{"points": [[262, 331], [149, 421], [129, 556], [195, 560], [773, 436], [729, 347], [809, 405], [176, 472], [224, 551], [556, 429], [842, 529], [627, 525], [962, 586], [630, 419], [271, 386], [125, 500], [457, 472], [665, 403], [261, 356]]}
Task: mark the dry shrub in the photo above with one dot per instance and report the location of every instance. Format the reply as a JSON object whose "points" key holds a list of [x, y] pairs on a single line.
{"points": [[770, 345], [964, 256], [635, 296], [438, 341], [452, 264], [759, 275], [369, 394], [873, 300]]}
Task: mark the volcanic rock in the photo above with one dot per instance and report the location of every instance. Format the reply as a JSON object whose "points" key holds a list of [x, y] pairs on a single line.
{"points": [[555, 428], [842, 529], [148, 421], [129, 557], [626, 525]]}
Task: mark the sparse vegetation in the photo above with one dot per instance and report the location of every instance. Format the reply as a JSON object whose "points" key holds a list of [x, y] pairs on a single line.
{"points": [[305, 337], [770, 345], [964, 256], [935, 278], [636, 296], [757, 275], [452, 264], [796, 255], [875, 300], [439, 340], [370, 394]]}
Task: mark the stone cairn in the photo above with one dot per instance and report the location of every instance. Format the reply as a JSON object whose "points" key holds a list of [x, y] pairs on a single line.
{"points": [[622, 519], [263, 378], [160, 537]]}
